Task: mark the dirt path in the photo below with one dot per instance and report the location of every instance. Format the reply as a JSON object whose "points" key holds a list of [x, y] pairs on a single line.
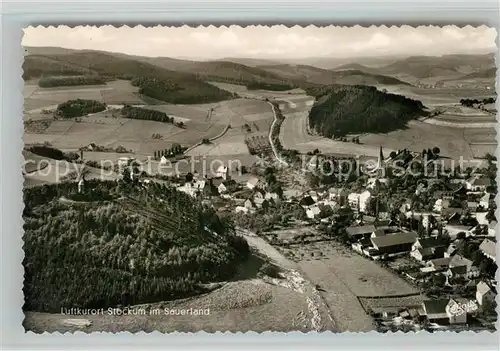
{"points": [[321, 318]]}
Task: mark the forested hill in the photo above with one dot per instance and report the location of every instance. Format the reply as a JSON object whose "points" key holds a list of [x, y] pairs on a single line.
{"points": [[341, 110], [121, 244]]}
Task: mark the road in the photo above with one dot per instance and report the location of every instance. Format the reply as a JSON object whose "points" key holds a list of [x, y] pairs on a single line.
{"points": [[271, 141]]}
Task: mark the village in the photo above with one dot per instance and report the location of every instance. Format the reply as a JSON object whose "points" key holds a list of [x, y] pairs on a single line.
{"points": [[435, 231]]}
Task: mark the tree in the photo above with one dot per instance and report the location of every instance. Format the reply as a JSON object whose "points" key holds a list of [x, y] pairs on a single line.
{"points": [[436, 150], [393, 154]]}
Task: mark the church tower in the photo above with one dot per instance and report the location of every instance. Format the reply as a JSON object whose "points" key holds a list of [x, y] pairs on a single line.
{"points": [[380, 163]]}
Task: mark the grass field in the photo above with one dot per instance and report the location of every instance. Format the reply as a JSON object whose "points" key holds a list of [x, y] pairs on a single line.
{"points": [[251, 305], [344, 277]]}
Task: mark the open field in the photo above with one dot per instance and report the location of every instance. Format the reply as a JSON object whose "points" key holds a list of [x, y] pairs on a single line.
{"points": [[240, 115], [436, 96], [114, 92], [345, 277]]}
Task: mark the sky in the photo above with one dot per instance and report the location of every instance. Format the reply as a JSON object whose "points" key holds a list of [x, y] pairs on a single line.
{"points": [[268, 42]]}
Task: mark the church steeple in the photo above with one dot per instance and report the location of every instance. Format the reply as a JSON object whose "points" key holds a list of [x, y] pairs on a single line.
{"points": [[380, 163]]}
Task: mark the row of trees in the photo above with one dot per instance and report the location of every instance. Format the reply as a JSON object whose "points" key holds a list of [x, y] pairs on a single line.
{"points": [[78, 107], [47, 82], [155, 245], [472, 102], [133, 112], [175, 150]]}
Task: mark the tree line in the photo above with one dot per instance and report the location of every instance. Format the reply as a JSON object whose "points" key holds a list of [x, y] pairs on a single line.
{"points": [[48, 82]]}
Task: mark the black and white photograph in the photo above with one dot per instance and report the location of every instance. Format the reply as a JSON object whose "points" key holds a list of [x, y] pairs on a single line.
{"points": [[259, 178]]}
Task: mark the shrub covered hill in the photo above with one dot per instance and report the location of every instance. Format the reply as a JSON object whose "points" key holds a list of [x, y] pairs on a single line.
{"points": [[341, 109], [120, 244], [159, 83]]}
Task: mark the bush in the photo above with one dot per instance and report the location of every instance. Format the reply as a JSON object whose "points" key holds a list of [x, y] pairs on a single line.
{"points": [[270, 270]]}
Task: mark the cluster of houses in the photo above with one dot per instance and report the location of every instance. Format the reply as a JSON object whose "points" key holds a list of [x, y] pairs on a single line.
{"points": [[436, 257]]}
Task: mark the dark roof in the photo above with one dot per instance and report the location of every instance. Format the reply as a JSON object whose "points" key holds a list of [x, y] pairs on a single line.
{"points": [[360, 230], [445, 261], [436, 306], [395, 239], [484, 181], [459, 270], [307, 201], [431, 242], [428, 252]]}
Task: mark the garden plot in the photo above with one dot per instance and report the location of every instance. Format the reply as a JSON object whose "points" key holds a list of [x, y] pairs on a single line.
{"points": [[369, 304], [419, 136]]}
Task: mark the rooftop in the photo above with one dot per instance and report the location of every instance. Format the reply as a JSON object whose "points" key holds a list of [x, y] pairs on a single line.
{"points": [[395, 239]]}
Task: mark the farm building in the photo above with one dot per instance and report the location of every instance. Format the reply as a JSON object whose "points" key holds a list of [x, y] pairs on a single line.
{"points": [[360, 231], [394, 243], [444, 311], [477, 183]]}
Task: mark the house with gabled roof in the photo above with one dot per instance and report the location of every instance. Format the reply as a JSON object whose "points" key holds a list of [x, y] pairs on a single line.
{"points": [[484, 293], [358, 232], [394, 243], [444, 311], [488, 249], [461, 267], [253, 183]]}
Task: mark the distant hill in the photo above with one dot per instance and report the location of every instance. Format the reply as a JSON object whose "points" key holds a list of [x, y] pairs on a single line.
{"points": [[251, 62], [100, 62], [354, 66], [486, 73], [315, 75], [341, 110], [111, 66], [35, 66], [230, 72], [431, 66]]}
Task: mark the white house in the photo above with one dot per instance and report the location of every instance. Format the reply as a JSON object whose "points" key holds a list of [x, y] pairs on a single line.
{"points": [[223, 172], [484, 201], [163, 160], [359, 200], [484, 293], [253, 183], [313, 212], [271, 196], [249, 204], [461, 267], [487, 247], [477, 183]]}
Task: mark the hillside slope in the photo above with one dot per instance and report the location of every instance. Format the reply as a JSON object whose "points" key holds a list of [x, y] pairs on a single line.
{"points": [[188, 88], [447, 65], [341, 110], [120, 245], [315, 75]]}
